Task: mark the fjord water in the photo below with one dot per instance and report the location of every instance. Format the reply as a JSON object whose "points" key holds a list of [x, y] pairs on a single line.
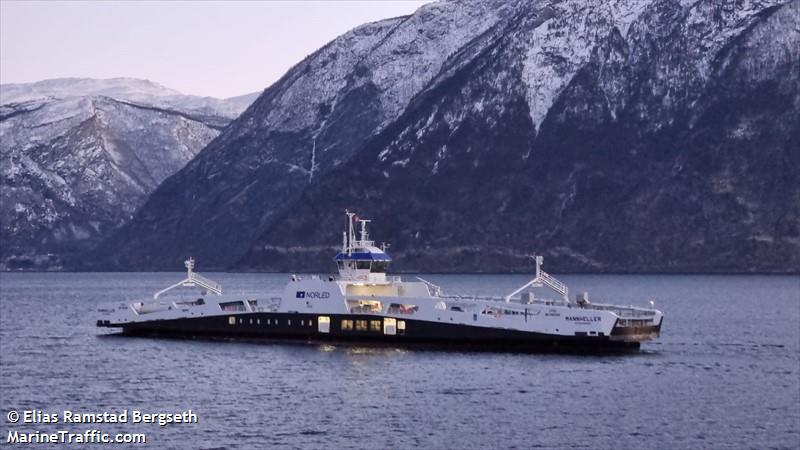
{"points": [[724, 374]]}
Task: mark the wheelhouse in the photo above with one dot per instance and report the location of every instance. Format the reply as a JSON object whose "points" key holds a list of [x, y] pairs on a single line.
{"points": [[360, 259]]}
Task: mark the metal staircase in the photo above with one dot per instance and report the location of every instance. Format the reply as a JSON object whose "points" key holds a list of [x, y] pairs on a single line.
{"points": [[193, 279], [543, 278]]}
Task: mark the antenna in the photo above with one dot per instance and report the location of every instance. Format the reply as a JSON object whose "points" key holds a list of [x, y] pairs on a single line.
{"points": [[364, 223], [350, 233]]}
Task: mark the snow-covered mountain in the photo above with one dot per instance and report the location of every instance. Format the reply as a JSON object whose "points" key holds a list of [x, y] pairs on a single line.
{"points": [[653, 135], [130, 89], [78, 156]]}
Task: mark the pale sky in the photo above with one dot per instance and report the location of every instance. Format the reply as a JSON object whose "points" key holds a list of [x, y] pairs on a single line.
{"points": [[221, 49]]}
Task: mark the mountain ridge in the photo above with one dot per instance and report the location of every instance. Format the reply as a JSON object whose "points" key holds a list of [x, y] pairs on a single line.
{"points": [[601, 134], [77, 162]]}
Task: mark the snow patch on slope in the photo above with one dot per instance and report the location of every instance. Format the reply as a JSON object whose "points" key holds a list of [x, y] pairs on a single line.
{"points": [[559, 47]]}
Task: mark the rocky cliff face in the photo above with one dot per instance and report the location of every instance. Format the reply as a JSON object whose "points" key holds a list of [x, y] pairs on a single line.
{"points": [[310, 121], [79, 156], [609, 136]]}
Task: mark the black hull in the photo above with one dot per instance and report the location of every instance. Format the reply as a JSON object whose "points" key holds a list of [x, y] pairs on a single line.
{"points": [[304, 327]]}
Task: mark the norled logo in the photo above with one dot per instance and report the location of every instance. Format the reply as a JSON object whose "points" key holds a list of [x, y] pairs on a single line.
{"points": [[312, 294]]}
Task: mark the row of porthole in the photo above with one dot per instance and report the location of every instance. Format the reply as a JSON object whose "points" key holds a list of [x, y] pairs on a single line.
{"points": [[232, 321]]}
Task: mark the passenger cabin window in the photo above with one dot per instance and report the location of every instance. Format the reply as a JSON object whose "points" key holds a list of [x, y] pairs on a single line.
{"points": [[347, 325], [232, 306], [375, 325], [401, 308], [361, 325], [364, 306], [491, 312]]}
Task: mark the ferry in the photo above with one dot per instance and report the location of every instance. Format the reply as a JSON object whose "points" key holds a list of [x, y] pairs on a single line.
{"points": [[364, 303]]}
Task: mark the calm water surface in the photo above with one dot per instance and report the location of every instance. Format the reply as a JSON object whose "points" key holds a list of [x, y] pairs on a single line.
{"points": [[724, 374]]}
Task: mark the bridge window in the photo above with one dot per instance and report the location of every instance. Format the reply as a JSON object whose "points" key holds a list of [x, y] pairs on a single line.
{"points": [[379, 266], [363, 265]]}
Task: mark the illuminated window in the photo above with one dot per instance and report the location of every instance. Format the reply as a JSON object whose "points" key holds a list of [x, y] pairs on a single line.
{"points": [[258, 322], [347, 325], [361, 325], [289, 321], [232, 320], [324, 323], [251, 321], [401, 327], [389, 326], [375, 325], [302, 322]]}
